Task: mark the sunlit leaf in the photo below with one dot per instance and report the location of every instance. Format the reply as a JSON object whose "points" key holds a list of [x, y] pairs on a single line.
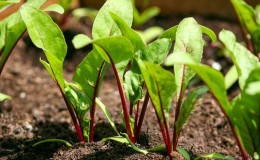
{"points": [[188, 41], [243, 59], [51, 41], [104, 25]]}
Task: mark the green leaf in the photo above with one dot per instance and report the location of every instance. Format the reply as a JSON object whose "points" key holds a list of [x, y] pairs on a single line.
{"points": [[188, 41], [90, 73], [51, 41], [125, 140], [118, 48], [248, 19], [214, 156], [128, 32], [189, 106], [145, 16], [82, 12], [184, 153], [107, 114], [55, 8], [81, 40], [12, 28], [104, 25], [170, 33], [52, 141], [247, 112], [12, 35], [4, 97], [213, 78], [161, 87], [210, 33], [157, 51], [150, 33], [133, 83], [243, 59], [231, 77]]}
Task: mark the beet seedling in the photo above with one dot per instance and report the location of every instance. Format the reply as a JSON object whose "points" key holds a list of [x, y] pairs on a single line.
{"points": [[242, 112]]}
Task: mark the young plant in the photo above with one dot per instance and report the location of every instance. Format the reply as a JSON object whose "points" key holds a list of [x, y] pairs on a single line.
{"points": [[249, 20], [162, 85], [242, 112], [38, 23]]}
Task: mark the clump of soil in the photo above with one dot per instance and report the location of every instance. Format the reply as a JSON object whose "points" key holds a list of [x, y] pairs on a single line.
{"points": [[37, 111]]}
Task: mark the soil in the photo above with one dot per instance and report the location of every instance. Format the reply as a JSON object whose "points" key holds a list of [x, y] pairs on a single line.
{"points": [[37, 110]]}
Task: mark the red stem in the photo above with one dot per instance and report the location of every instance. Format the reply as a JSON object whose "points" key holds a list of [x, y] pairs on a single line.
{"points": [[136, 119], [123, 100], [177, 112], [242, 150], [141, 118], [163, 133], [74, 117], [131, 108], [93, 108]]}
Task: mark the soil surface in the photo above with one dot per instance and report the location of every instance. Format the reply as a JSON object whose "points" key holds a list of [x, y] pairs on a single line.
{"points": [[37, 110]]}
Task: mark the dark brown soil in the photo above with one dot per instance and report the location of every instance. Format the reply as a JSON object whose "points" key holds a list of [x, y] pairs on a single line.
{"points": [[37, 111]]}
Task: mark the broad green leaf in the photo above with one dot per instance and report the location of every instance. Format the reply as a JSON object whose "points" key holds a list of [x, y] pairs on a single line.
{"points": [[189, 106], [160, 85], [213, 78], [214, 156], [51, 41], [184, 153], [128, 32], [243, 59], [231, 77], [118, 48], [170, 33], [5, 3], [247, 111], [188, 41], [4, 97], [90, 73], [81, 40], [210, 33], [150, 33], [157, 51], [104, 25], [55, 8], [107, 114]]}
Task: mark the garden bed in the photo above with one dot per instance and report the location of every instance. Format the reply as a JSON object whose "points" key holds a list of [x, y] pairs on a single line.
{"points": [[37, 110]]}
